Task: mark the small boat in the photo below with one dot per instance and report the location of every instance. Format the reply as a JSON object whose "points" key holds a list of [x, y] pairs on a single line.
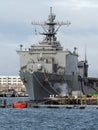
{"points": [[20, 104]]}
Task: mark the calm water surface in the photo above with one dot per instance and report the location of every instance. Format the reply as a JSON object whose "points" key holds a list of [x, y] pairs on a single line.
{"points": [[48, 118]]}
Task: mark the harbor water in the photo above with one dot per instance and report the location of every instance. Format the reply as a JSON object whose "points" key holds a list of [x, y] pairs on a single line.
{"points": [[48, 118]]}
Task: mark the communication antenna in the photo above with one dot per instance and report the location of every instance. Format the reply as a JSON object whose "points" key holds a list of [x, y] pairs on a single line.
{"points": [[85, 54], [51, 27]]}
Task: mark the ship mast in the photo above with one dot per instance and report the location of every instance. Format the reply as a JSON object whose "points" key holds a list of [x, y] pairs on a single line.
{"points": [[50, 28], [85, 65]]}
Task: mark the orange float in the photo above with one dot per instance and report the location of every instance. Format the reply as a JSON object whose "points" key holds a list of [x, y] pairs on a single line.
{"points": [[20, 104]]}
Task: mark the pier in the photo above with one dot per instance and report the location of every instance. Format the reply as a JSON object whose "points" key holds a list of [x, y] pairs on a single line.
{"points": [[68, 103], [57, 103], [71, 101]]}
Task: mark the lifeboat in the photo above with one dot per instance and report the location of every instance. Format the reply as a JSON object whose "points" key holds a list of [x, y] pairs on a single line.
{"points": [[20, 104]]}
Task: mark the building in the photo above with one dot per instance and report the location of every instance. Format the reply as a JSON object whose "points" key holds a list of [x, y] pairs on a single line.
{"points": [[11, 82]]}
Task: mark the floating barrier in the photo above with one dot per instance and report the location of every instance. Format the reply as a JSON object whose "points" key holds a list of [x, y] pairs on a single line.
{"points": [[82, 107], [36, 106], [69, 106]]}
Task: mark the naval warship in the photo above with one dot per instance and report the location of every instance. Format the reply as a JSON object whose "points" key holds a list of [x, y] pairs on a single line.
{"points": [[47, 69]]}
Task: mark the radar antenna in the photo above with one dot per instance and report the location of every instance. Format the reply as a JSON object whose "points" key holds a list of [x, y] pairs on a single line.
{"points": [[51, 27]]}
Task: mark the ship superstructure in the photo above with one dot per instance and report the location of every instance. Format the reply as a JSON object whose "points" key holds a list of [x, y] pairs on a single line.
{"points": [[46, 69]]}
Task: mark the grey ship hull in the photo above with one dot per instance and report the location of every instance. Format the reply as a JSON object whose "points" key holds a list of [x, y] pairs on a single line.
{"points": [[42, 85], [88, 89]]}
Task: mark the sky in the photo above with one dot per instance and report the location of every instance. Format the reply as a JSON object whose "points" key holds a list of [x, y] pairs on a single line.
{"points": [[15, 29]]}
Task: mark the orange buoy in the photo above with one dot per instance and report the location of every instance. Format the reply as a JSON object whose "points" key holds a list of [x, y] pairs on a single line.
{"points": [[20, 104]]}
